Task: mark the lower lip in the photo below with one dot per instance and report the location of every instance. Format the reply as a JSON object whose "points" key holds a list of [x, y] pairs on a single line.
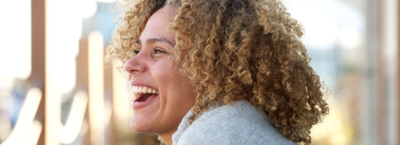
{"points": [[138, 105]]}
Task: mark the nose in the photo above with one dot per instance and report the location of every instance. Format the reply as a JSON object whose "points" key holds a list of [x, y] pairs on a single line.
{"points": [[134, 65]]}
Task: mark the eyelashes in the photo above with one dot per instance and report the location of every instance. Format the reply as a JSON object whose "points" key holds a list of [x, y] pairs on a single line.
{"points": [[157, 50]]}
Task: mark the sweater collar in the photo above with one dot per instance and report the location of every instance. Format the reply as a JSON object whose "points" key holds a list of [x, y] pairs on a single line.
{"points": [[181, 128]]}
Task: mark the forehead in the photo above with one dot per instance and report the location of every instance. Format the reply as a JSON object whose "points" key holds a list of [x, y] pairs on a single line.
{"points": [[158, 23]]}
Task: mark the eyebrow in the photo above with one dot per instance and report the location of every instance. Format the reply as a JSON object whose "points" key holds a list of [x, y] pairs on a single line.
{"points": [[154, 40]]}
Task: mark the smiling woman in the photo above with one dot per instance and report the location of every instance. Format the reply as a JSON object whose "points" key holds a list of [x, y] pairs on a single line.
{"points": [[218, 72], [162, 96]]}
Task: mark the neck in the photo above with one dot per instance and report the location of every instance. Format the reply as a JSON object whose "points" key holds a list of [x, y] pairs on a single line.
{"points": [[166, 138]]}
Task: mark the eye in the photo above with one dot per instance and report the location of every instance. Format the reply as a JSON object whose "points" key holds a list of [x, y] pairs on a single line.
{"points": [[159, 50]]}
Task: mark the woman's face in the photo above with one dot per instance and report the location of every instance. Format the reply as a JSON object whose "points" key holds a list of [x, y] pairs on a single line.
{"points": [[167, 97]]}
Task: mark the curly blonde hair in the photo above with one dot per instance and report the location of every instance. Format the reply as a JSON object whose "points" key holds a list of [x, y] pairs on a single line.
{"points": [[235, 50]]}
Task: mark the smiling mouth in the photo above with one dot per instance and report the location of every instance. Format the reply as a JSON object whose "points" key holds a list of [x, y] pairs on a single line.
{"points": [[144, 93]]}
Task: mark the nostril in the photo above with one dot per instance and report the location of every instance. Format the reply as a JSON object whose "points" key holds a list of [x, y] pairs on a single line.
{"points": [[128, 66]]}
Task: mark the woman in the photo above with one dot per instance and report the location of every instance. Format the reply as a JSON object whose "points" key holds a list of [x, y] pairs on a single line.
{"points": [[218, 72]]}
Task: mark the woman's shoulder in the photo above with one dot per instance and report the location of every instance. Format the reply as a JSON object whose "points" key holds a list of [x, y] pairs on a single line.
{"points": [[238, 123]]}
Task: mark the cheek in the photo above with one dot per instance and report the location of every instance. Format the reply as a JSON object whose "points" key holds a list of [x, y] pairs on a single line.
{"points": [[176, 89], [182, 93], [165, 74]]}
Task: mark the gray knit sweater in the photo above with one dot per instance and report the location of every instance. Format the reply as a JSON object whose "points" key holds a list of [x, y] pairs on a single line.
{"points": [[237, 124]]}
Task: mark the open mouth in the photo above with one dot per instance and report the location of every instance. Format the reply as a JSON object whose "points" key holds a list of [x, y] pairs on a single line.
{"points": [[144, 94], [144, 97]]}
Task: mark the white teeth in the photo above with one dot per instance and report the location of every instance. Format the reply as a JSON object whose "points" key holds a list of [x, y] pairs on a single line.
{"points": [[144, 90], [140, 90]]}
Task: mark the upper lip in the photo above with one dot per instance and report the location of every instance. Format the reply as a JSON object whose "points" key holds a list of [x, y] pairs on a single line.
{"points": [[142, 85], [138, 96]]}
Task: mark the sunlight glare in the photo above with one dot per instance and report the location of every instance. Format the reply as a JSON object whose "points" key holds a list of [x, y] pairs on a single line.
{"points": [[15, 52]]}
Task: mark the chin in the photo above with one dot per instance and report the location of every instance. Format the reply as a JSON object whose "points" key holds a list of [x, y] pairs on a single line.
{"points": [[142, 124], [138, 126]]}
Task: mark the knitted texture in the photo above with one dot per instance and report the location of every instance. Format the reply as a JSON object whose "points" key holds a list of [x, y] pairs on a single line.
{"points": [[236, 124]]}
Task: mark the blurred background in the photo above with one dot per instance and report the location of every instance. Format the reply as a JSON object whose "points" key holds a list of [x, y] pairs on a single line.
{"points": [[55, 89]]}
